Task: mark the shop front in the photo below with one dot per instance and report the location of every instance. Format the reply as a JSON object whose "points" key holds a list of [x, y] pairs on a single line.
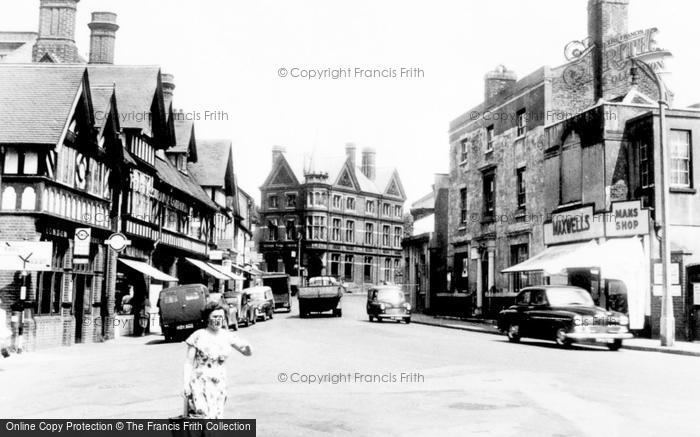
{"points": [[606, 253]]}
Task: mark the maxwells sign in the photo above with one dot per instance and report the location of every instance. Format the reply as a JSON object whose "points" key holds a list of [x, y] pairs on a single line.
{"points": [[625, 219]]}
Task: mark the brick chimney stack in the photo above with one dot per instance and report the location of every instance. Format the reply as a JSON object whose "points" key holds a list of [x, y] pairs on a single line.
{"points": [[56, 40], [102, 37], [277, 152], [497, 81], [368, 163], [606, 18], [351, 152], [168, 81]]}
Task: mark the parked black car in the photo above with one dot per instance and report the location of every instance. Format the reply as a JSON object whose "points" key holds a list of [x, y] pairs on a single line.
{"points": [[564, 314]]}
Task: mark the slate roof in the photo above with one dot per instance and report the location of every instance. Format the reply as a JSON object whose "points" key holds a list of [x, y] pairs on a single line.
{"points": [[333, 165], [36, 101], [182, 182], [212, 163], [136, 86], [183, 135], [101, 98]]}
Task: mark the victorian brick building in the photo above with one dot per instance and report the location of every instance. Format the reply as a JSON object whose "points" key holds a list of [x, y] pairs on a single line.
{"points": [[346, 218], [497, 159], [556, 180]]}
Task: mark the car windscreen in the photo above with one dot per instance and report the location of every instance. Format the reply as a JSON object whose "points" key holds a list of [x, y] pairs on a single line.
{"points": [[568, 297], [257, 295], [393, 295]]}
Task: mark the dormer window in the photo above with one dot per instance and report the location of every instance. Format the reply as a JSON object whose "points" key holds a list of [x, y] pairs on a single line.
{"points": [[182, 163]]}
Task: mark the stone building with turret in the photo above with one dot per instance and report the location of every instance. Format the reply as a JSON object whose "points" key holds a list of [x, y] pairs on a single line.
{"points": [[345, 217]]}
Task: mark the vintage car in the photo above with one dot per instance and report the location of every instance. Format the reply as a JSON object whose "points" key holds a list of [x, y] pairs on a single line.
{"points": [[181, 308], [239, 303], [262, 302], [387, 302], [564, 314]]}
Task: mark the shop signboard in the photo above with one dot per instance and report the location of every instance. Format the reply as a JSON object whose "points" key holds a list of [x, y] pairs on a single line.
{"points": [[579, 224], [30, 256], [627, 219]]}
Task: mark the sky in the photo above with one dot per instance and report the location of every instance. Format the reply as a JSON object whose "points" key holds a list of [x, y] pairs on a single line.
{"points": [[229, 56]]}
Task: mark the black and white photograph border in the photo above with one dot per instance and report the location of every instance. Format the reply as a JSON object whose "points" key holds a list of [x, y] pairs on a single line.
{"points": [[322, 218]]}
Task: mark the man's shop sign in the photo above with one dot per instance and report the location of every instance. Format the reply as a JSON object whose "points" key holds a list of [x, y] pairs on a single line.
{"points": [[627, 219]]}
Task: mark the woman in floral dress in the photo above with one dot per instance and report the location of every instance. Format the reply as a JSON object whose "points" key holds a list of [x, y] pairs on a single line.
{"points": [[205, 373]]}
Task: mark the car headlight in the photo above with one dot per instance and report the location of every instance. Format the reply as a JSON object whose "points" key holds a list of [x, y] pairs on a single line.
{"points": [[578, 320], [382, 306], [624, 320], [407, 306]]}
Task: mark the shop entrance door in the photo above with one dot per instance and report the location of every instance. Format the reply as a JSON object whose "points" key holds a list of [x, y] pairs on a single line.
{"points": [[78, 303], [693, 301]]}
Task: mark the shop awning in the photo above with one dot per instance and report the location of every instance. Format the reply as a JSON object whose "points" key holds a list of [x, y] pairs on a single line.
{"points": [[148, 270], [253, 271], [209, 270], [223, 271], [237, 267], [554, 259]]}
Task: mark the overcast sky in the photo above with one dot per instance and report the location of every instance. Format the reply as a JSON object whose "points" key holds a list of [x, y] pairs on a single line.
{"points": [[226, 56]]}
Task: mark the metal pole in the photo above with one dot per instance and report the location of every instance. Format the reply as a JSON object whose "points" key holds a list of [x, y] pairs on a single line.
{"points": [[668, 322]]}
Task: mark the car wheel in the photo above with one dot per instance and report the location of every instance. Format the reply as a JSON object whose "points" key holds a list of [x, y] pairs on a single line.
{"points": [[561, 338], [513, 333], [264, 316], [371, 319], [615, 345], [379, 319], [254, 319], [407, 320]]}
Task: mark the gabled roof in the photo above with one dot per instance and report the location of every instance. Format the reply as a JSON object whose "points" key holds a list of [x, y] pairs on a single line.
{"points": [[170, 175], [36, 101], [136, 88], [214, 167], [184, 137], [101, 103], [334, 167]]}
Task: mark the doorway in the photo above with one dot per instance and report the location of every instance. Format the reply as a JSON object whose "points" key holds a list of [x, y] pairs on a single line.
{"points": [[693, 302], [82, 286]]}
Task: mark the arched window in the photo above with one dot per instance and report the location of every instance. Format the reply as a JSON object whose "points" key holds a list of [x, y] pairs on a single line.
{"points": [[29, 199], [9, 199]]}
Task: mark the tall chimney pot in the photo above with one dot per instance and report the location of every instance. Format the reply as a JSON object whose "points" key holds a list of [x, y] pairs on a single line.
{"points": [[103, 35], [368, 163]]}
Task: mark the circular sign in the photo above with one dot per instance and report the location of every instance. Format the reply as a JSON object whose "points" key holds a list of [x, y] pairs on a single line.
{"points": [[82, 234], [118, 242]]}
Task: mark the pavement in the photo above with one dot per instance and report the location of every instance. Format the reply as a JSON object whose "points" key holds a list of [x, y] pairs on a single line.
{"points": [[489, 327], [326, 376]]}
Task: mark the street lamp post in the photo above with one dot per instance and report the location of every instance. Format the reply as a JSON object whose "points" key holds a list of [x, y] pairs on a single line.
{"points": [[668, 322]]}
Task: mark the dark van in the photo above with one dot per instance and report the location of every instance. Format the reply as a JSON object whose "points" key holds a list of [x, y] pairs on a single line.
{"points": [[279, 283], [181, 309]]}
